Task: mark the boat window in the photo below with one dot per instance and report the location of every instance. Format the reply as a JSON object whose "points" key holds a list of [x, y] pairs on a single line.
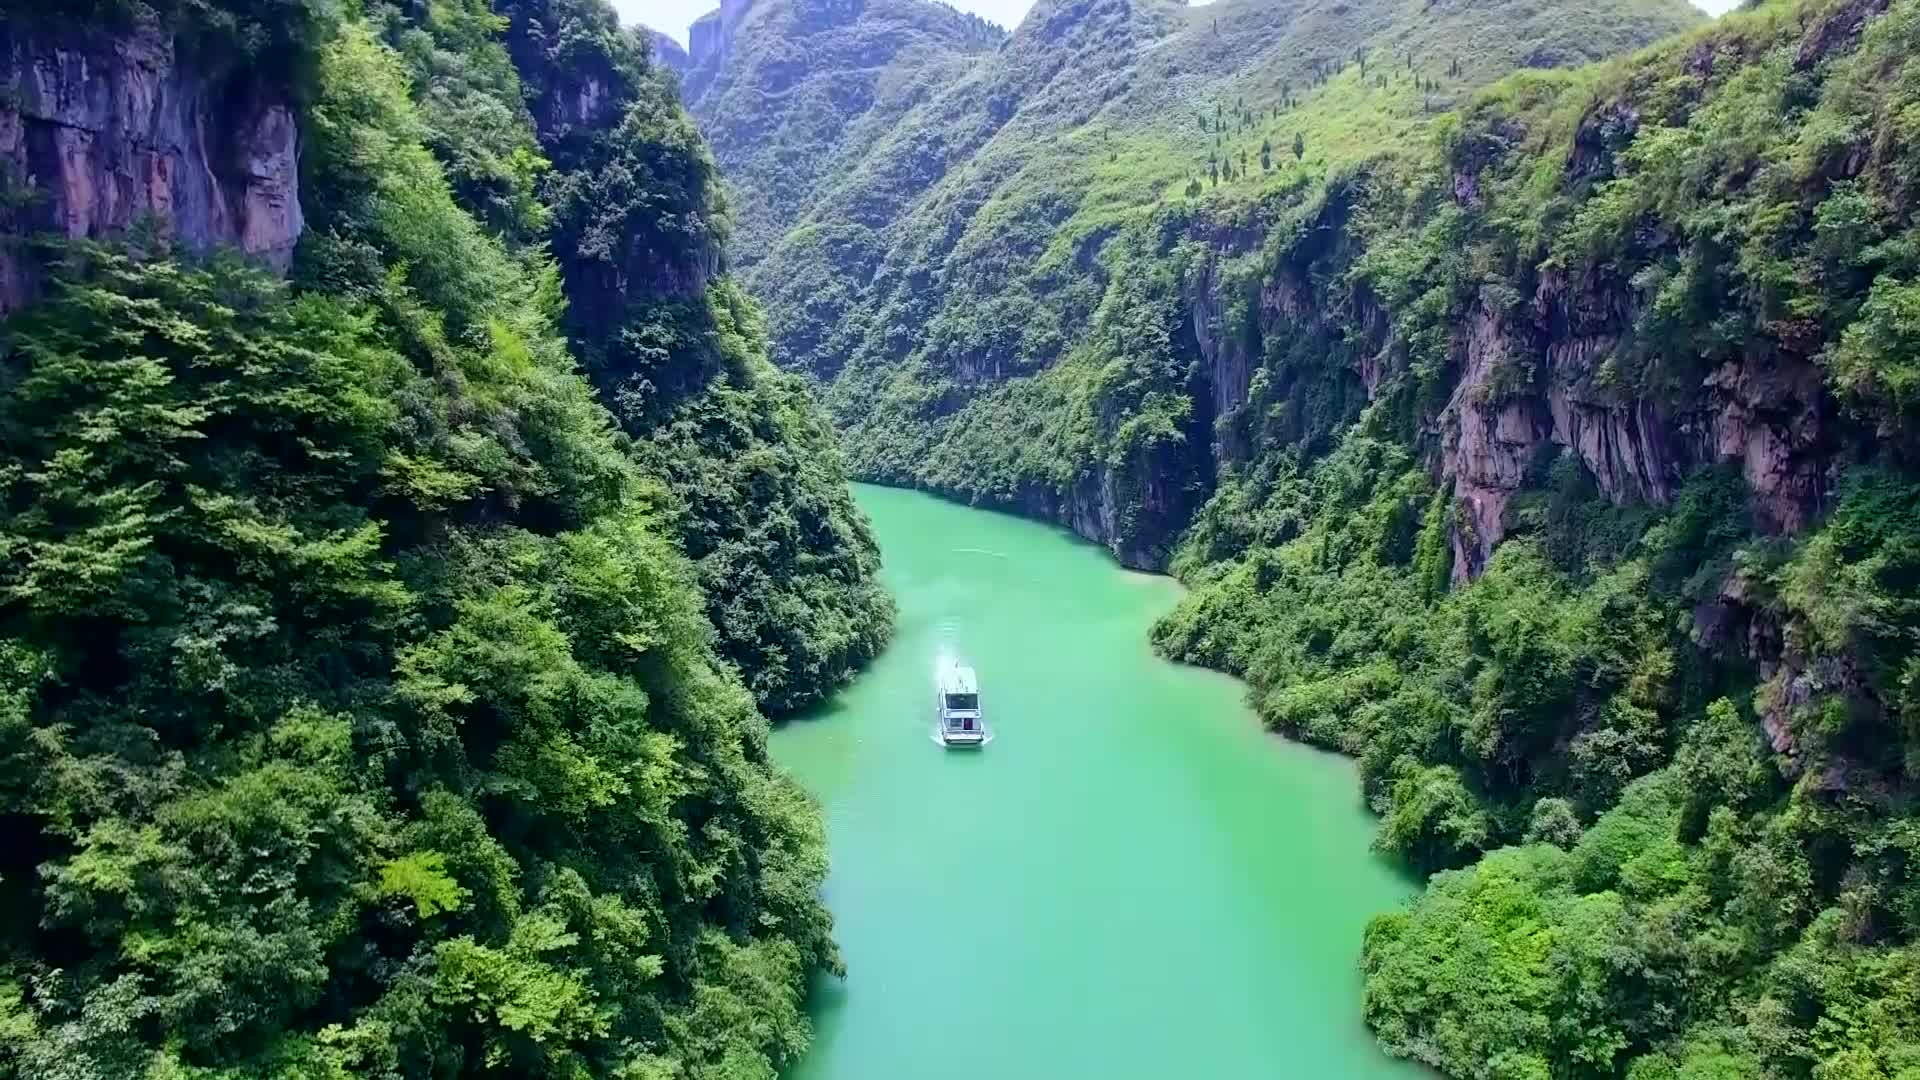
{"points": [[963, 701]]}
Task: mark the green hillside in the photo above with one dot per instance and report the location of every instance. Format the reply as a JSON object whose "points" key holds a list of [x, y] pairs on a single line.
{"points": [[793, 93], [974, 242], [1540, 438], [380, 644]]}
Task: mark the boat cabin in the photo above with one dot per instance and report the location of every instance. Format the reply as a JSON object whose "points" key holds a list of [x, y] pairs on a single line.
{"points": [[960, 721]]}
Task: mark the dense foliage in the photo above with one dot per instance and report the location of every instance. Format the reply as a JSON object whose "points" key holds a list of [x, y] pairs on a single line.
{"points": [[797, 100], [362, 712], [638, 225], [972, 223], [1662, 758], [1546, 446]]}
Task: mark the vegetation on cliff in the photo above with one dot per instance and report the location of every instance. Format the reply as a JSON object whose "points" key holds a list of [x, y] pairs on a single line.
{"points": [[797, 96], [942, 274], [758, 489], [1545, 444], [371, 694], [1659, 745]]}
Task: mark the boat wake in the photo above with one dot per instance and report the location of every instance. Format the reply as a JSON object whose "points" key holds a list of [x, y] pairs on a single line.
{"points": [[934, 734]]}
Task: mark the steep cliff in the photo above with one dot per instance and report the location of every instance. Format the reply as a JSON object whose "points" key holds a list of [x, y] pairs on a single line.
{"points": [[1565, 349], [669, 52], [1526, 379], [1572, 491], [757, 487], [969, 246], [1772, 416], [342, 596], [99, 130]]}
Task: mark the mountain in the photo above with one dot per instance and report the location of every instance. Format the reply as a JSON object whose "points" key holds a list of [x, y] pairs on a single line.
{"points": [[1568, 470], [792, 92], [968, 242], [1543, 438], [758, 488], [404, 533]]}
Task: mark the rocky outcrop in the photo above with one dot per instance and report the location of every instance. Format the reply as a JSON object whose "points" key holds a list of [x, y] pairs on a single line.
{"points": [[1528, 387], [710, 40], [1528, 383], [1487, 444], [98, 132], [668, 51]]}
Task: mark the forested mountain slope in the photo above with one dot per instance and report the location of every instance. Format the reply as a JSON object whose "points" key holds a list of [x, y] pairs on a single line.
{"points": [[379, 642], [1545, 445], [635, 220], [1583, 511], [794, 93], [974, 240]]}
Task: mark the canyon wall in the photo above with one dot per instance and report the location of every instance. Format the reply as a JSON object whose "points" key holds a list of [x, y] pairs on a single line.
{"points": [[99, 131]]}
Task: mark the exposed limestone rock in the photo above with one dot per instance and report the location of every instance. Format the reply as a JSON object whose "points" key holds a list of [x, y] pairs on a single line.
{"points": [[667, 50], [1532, 385], [1488, 440], [103, 131]]}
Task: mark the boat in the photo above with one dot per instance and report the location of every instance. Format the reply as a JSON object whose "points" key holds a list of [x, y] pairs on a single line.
{"points": [[957, 708]]}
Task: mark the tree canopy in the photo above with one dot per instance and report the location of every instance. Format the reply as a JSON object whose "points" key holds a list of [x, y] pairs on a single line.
{"points": [[370, 700]]}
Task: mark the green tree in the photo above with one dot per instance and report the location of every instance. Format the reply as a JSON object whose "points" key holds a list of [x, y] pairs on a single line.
{"points": [[391, 734]]}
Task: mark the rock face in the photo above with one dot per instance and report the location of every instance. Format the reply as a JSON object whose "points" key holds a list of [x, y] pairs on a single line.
{"points": [[1767, 414], [711, 38], [667, 50], [1527, 383], [704, 39], [98, 132]]}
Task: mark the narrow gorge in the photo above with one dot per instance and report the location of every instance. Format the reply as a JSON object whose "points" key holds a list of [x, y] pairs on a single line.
{"points": [[448, 452], [1522, 395]]}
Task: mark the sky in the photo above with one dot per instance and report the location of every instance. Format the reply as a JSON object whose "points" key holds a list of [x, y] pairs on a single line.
{"points": [[673, 16]]}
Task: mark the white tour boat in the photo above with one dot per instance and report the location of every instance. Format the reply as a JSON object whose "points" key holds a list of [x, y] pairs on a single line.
{"points": [[957, 707]]}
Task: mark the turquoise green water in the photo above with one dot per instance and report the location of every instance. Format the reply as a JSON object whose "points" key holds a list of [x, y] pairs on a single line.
{"points": [[1132, 880]]}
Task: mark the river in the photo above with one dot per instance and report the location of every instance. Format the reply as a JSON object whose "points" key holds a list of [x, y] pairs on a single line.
{"points": [[1132, 880]]}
